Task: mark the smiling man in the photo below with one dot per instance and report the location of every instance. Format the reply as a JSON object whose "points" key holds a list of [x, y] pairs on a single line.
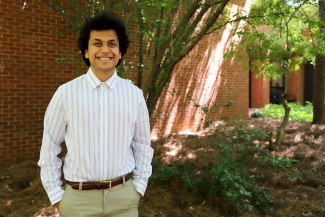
{"points": [[103, 53], [104, 122]]}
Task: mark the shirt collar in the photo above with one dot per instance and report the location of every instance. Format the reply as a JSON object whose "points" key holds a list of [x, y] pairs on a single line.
{"points": [[94, 82]]}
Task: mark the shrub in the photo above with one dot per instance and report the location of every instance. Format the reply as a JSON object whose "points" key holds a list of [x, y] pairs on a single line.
{"points": [[229, 176]]}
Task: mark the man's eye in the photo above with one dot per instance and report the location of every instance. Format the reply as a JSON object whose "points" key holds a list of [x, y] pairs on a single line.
{"points": [[112, 44], [97, 44]]}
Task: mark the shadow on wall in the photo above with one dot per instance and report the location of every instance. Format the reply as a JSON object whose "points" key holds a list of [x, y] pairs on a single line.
{"points": [[202, 83]]}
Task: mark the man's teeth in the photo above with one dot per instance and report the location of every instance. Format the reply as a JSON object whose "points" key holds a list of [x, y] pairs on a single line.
{"points": [[105, 58]]}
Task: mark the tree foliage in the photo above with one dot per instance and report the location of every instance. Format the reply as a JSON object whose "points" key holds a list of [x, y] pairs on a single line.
{"points": [[280, 35]]}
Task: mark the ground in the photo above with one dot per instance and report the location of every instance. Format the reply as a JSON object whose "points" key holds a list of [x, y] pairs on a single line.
{"points": [[22, 194]]}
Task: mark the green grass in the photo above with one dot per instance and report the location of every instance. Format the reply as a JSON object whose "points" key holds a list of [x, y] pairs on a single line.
{"points": [[297, 112]]}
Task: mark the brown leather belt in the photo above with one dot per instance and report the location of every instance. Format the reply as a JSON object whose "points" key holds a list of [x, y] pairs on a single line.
{"points": [[98, 185]]}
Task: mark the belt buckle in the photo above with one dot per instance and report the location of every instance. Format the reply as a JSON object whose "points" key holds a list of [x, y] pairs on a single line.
{"points": [[109, 183]]}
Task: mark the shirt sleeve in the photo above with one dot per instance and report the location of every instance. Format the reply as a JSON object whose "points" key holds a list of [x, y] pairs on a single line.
{"points": [[53, 135], [142, 151]]}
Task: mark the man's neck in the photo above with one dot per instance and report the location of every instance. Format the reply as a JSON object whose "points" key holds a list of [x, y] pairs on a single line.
{"points": [[103, 76]]}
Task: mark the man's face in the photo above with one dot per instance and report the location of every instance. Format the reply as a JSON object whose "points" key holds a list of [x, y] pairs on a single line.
{"points": [[103, 52]]}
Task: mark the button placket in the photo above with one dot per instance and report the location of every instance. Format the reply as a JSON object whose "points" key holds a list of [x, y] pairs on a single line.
{"points": [[103, 127]]}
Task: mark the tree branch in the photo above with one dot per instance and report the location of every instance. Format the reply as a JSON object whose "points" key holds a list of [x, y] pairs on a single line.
{"points": [[57, 8]]}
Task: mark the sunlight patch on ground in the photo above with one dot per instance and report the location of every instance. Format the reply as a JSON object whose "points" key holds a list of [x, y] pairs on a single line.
{"points": [[293, 127], [172, 148], [260, 143], [203, 132], [191, 156], [9, 202], [310, 152], [7, 188], [317, 127], [298, 137], [288, 153], [319, 140], [173, 152], [186, 132], [47, 211]]}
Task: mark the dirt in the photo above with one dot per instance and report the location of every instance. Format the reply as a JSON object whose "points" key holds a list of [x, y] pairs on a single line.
{"points": [[22, 194]]}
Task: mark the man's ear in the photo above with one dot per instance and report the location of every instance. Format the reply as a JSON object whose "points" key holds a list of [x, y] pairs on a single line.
{"points": [[86, 54]]}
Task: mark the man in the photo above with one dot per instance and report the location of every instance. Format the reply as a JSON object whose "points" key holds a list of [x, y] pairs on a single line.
{"points": [[104, 122]]}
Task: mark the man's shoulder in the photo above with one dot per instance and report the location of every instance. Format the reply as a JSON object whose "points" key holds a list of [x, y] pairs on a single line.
{"points": [[129, 83], [74, 81]]}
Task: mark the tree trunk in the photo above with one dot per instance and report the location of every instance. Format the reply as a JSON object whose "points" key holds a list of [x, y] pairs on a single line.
{"points": [[319, 83], [281, 134]]}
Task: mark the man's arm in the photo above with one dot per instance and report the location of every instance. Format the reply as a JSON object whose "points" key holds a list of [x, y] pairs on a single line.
{"points": [[53, 135], [142, 151]]}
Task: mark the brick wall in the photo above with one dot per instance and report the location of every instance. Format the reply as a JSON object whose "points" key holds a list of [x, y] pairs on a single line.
{"points": [[29, 43], [203, 82], [260, 91], [260, 88], [295, 85]]}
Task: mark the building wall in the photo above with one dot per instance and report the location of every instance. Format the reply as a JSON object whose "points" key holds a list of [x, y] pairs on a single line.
{"points": [[260, 88], [260, 91], [203, 88], [29, 43], [295, 85]]}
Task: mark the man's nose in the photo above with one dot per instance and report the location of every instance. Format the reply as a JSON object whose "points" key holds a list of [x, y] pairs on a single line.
{"points": [[105, 48]]}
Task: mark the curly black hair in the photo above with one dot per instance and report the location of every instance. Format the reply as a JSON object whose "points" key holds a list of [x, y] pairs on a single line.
{"points": [[105, 20]]}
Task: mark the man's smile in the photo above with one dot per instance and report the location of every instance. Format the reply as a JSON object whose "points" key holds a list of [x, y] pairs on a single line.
{"points": [[105, 58]]}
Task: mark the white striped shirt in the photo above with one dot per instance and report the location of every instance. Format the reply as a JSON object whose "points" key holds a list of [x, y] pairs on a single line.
{"points": [[105, 126]]}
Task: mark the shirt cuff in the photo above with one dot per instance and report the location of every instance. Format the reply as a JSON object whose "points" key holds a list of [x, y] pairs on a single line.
{"points": [[140, 186], [55, 195]]}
